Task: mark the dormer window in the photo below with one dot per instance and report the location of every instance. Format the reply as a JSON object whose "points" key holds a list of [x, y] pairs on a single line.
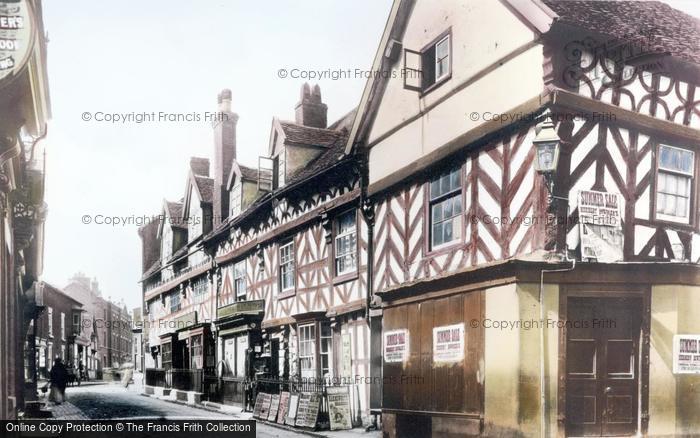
{"points": [[674, 184], [429, 67]]}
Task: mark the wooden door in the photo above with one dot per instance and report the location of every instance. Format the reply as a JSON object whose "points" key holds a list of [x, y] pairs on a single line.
{"points": [[602, 365]]}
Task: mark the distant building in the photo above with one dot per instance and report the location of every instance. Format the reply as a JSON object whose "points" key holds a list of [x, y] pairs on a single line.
{"points": [[58, 331]]}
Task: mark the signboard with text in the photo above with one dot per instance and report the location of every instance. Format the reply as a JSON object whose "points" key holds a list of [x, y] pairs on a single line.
{"points": [[396, 345], [600, 224], [17, 35], [290, 418], [283, 407], [686, 354], [448, 343], [339, 407]]}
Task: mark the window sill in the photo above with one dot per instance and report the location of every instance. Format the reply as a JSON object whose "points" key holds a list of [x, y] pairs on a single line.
{"points": [[444, 248], [344, 278], [686, 226], [435, 85], [286, 294]]}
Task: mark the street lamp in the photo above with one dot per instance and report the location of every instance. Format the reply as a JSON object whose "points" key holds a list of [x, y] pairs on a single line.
{"points": [[547, 145]]}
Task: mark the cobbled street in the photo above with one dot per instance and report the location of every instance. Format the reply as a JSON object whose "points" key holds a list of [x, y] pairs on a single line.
{"points": [[111, 401]]}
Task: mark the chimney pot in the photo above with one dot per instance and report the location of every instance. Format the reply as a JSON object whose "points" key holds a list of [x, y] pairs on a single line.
{"points": [[224, 100]]}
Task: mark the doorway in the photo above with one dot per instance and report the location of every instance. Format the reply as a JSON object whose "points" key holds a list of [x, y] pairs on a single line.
{"points": [[603, 369]]}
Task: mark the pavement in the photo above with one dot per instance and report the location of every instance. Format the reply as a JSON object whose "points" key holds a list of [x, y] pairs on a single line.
{"points": [[113, 401]]}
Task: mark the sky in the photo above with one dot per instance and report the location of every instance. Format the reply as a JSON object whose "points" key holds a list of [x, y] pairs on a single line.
{"points": [[141, 57]]}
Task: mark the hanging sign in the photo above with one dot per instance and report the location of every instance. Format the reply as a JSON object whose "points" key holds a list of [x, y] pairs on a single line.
{"points": [[339, 407], [686, 354], [600, 224], [17, 35], [448, 343], [396, 345]]}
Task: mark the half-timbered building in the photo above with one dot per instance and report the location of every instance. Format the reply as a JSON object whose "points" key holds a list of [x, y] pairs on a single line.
{"points": [[291, 261], [532, 168], [259, 275]]}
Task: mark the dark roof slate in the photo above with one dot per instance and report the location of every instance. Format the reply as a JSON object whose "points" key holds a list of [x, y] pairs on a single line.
{"points": [[206, 187], [657, 25], [301, 134]]}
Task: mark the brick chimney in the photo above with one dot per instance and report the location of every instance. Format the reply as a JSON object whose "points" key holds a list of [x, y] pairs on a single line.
{"points": [[311, 111], [224, 154]]}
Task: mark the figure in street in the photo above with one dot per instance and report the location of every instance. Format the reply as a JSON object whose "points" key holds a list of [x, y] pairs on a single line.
{"points": [[59, 379]]}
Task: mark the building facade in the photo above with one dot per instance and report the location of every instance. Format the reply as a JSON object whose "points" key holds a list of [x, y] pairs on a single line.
{"points": [[59, 332], [24, 111], [270, 284], [536, 235]]}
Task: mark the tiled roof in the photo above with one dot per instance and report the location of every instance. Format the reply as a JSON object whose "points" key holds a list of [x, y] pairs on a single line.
{"points": [[301, 134], [205, 186], [175, 212], [334, 153], [155, 267], [656, 24], [249, 172]]}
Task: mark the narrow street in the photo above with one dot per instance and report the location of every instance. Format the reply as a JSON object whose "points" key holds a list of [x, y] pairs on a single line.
{"points": [[110, 401]]}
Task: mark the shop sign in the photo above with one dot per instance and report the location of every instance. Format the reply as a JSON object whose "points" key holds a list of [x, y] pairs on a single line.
{"points": [[17, 35], [448, 343], [600, 224], [339, 408], [307, 412], [686, 354], [283, 407], [396, 345], [240, 308], [290, 418]]}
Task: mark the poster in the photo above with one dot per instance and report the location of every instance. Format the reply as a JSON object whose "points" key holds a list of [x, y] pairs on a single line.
{"points": [[448, 343], [686, 354], [339, 408], [265, 408], [283, 407], [258, 405], [307, 412], [290, 418], [600, 225], [274, 407], [396, 345]]}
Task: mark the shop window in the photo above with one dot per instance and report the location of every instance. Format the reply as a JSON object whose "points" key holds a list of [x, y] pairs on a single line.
{"points": [[674, 184], [239, 280], [196, 351], [287, 268], [326, 350], [307, 350], [346, 244], [166, 355], [446, 208]]}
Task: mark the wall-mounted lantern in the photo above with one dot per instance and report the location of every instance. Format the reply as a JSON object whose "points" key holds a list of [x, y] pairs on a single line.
{"points": [[547, 145]]}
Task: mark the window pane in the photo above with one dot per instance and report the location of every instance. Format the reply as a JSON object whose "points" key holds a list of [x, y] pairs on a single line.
{"points": [[434, 189], [437, 212], [437, 234], [443, 48]]}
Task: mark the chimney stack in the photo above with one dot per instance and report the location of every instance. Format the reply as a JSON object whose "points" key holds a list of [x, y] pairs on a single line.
{"points": [[224, 154], [311, 111]]}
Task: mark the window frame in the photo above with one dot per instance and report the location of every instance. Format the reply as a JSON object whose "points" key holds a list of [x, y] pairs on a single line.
{"points": [[429, 248], [236, 198], [179, 301], [424, 89], [339, 277], [690, 221], [289, 291], [317, 353], [236, 293]]}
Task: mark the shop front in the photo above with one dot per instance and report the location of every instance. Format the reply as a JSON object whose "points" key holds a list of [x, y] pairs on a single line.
{"points": [[600, 350], [239, 340]]}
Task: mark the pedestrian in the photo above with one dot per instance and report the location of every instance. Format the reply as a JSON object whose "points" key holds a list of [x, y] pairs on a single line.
{"points": [[81, 370], [59, 379]]}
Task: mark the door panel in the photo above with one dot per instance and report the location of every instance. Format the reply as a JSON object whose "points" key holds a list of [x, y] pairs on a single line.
{"points": [[602, 379]]}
